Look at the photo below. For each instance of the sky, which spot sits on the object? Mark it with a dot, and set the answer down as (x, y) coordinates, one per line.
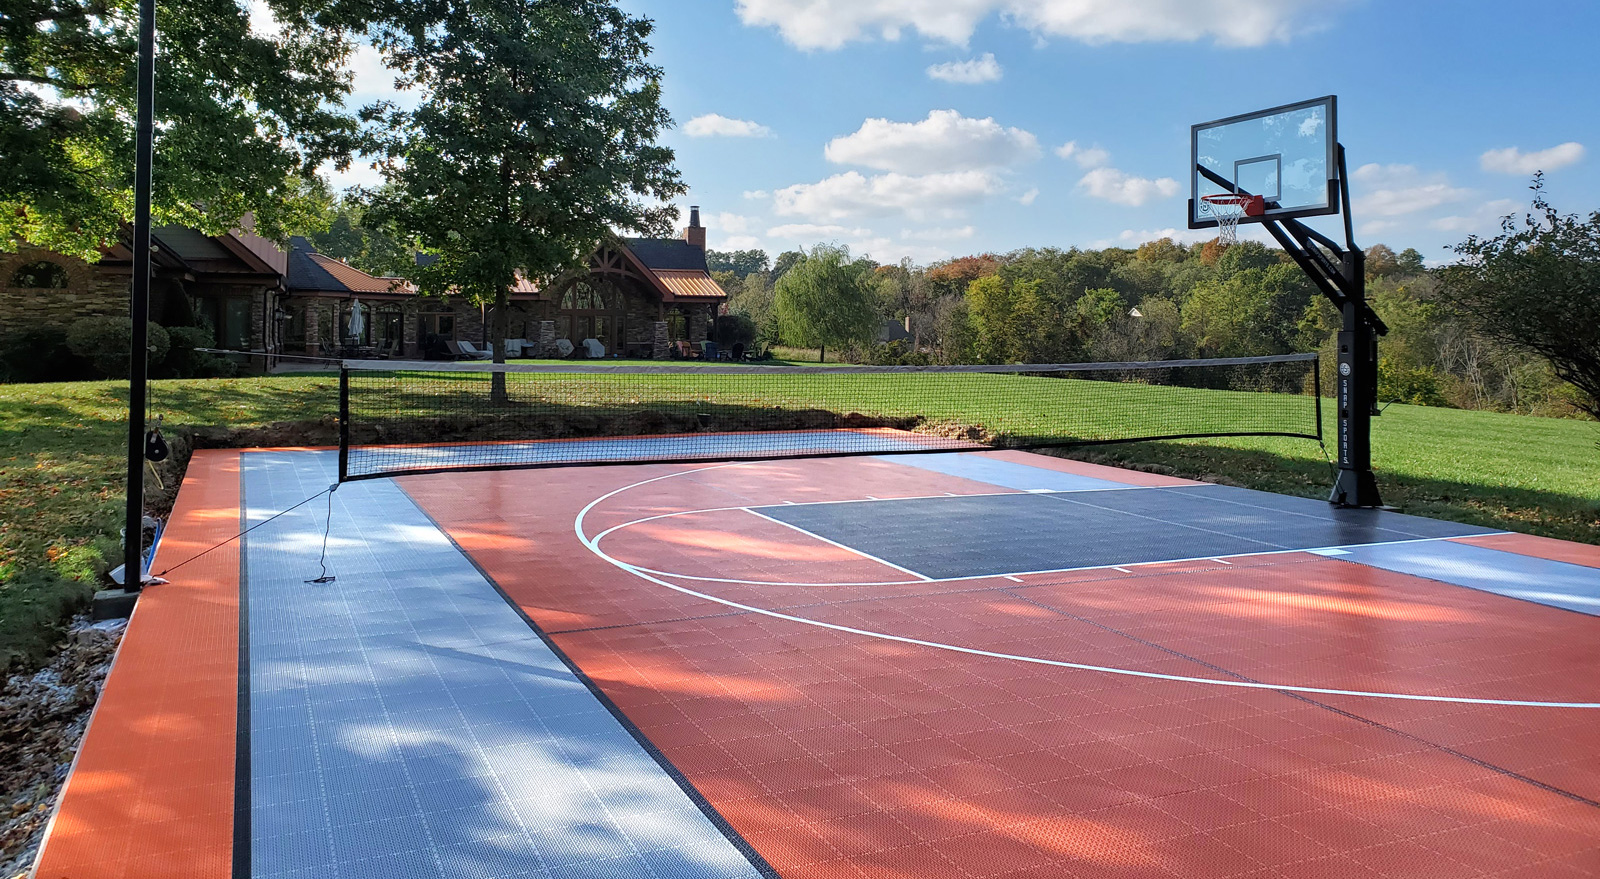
(929, 129)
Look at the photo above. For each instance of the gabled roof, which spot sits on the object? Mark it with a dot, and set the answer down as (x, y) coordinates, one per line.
(312, 271)
(671, 254)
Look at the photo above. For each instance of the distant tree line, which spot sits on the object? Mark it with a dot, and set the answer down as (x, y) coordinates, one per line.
(1474, 335)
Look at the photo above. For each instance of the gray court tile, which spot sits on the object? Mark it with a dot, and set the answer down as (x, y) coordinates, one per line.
(1014, 533)
(1542, 581)
(407, 722)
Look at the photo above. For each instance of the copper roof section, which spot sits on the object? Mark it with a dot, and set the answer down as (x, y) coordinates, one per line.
(690, 284)
(357, 281)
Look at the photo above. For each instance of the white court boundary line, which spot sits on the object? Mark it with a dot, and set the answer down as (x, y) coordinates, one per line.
(593, 546)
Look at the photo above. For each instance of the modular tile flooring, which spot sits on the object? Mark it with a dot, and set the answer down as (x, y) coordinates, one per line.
(405, 721)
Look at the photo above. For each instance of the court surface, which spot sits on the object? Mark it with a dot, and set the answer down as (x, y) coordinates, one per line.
(978, 664)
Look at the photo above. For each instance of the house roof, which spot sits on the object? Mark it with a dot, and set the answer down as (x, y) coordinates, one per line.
(690, 284)
(312, 271)
(671, 254)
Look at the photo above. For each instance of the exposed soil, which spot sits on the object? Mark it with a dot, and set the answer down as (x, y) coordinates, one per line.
(43, 716)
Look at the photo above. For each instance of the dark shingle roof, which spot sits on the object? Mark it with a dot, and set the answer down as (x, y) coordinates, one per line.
(667, 253)
(304, 273)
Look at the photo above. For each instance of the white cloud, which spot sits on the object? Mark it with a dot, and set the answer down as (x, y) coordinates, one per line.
(816, 232)
(733, 224)
(1397, 190)
(850, 195)
(937, 234)
(716, 125)
(984, 69)
(945, 141)
(829, 24)
(1027, 197)
(739, 242)
(1484, 218)
(756, 194)
(1091, 157)
(1514, 161)
(1125, 189)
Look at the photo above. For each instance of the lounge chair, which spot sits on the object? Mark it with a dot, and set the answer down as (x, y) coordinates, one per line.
(472, 352)
(517, 347)
(594, 348)
(564, 347)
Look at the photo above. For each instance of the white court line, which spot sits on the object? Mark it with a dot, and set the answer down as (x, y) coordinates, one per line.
(865, 555)
(593, 547)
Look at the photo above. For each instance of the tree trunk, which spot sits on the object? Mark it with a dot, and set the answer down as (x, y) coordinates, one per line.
(822, 353)
(497, 382)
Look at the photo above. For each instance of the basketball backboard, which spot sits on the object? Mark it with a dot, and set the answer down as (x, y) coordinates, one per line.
(1287, 155)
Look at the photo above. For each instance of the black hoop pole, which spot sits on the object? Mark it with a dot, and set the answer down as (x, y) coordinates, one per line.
(139, 300)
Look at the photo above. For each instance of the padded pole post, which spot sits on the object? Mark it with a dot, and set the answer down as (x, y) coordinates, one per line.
(1356, 485)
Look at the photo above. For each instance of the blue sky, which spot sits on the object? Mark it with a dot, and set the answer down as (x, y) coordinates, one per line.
(942, 131)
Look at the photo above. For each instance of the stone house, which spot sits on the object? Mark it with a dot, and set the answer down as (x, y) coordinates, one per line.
(639, 298)
(229, 283)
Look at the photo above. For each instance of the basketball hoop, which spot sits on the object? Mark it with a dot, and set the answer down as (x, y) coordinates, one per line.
(1228, 209)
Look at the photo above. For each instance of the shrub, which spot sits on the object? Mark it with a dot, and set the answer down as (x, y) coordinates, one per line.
(182, 361)
(735, 329)
(104, 342)
(1419, 385)
(40, 354)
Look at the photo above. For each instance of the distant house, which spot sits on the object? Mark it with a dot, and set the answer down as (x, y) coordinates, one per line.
(639, 297)
(226, 282)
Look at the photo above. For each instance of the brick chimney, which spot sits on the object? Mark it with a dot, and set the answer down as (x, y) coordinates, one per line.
(696, 233)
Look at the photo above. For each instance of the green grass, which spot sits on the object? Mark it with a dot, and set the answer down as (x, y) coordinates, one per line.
(61, 452)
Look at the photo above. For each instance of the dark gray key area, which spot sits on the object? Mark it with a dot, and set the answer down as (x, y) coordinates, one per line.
(1047, 531)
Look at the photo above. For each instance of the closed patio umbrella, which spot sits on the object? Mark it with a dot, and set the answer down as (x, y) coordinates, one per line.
(358, 323)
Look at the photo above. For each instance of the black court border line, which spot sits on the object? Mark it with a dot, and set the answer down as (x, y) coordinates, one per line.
(743, 846)
(242, 862)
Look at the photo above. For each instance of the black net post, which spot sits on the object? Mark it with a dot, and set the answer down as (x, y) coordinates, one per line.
(344, 422)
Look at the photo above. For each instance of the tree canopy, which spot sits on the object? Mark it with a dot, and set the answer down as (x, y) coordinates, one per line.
(1536, 286)
(243, 118)
(534, 140)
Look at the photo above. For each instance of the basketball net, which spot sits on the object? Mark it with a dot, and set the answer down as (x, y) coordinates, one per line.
(1227, 210)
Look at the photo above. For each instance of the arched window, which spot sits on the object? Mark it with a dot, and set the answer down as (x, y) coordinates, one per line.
(590, 310)
(40, 275)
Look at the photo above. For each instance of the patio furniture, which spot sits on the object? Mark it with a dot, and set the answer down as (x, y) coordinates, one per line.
(594, 348)
(473, 352)
(564, 347)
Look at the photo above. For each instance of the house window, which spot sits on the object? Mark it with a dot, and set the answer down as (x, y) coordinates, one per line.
(386, 330)
(441, 325)
(228, 319)
(589, 311)
(40, 275)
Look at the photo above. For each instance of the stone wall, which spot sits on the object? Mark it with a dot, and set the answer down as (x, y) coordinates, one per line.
(88, 292)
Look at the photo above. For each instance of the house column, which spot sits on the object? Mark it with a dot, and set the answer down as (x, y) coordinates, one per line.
(697, 325)
(658, 341)
(547, 339)
(313, 330)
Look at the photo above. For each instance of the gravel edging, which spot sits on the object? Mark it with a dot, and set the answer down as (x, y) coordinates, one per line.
(43, 716)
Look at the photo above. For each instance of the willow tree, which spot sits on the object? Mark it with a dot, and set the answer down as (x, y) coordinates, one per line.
(534, 138)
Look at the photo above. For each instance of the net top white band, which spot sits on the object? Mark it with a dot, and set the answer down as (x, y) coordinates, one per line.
(634, 367)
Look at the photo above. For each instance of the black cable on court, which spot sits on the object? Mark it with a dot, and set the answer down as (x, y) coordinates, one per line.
(323, 561)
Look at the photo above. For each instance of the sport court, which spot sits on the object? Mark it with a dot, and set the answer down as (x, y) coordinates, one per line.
(966, 664)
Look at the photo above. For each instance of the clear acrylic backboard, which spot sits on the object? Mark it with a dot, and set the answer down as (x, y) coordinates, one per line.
(1287, 155)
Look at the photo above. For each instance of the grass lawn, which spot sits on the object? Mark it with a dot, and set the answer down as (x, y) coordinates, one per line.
(61, 445)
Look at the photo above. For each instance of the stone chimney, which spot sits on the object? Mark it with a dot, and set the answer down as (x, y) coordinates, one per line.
(696, 233)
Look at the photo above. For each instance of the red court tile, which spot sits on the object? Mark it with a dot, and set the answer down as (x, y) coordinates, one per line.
(151, 794)
(836, 754)
(1540, 547)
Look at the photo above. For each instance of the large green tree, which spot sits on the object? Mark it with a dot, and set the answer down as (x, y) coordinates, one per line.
(535, 138)
(243, 117)
(1536, 286)
(826, 299)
